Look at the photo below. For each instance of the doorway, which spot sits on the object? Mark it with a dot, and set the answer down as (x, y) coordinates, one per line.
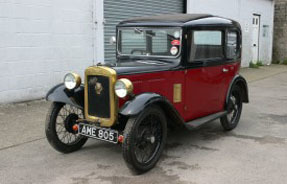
(255, 37)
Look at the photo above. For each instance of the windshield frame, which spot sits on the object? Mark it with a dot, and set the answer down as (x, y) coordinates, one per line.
(149, 56)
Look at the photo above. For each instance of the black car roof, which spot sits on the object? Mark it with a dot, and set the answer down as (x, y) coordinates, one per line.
(181, 20)
(173, 18)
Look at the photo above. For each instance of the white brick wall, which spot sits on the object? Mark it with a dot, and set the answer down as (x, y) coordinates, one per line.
(41, 40)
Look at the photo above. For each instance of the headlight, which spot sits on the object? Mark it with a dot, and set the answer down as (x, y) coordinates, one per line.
(72, 80)
(123, 87)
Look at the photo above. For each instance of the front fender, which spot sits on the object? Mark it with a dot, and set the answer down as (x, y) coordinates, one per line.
(61, 94)
(139, 103)
(142, 101)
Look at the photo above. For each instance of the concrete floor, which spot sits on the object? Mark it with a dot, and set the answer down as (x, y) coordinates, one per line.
(255, 152)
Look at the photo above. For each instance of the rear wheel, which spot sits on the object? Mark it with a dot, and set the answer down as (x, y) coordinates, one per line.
(144, 139)
(234, 108)
(59, 128)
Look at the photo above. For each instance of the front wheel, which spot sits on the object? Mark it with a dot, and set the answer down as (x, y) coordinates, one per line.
(234, 108)
(59, 128)
(144, 139)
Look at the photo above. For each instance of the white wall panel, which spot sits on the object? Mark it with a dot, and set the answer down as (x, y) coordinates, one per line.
(39, 42)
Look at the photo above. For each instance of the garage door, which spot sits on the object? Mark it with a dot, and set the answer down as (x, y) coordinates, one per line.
(118, 10)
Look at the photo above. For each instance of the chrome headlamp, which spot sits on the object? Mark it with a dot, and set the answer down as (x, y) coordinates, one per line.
(123, 87)
(72, 80)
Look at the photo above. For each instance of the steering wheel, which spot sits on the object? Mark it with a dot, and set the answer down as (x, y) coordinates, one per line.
(138, 50)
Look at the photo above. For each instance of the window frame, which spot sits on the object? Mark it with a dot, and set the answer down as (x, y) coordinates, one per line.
(205, 61)
(118, 45)
(239, 46)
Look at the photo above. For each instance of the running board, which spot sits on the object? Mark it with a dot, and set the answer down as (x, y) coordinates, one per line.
(201, 121)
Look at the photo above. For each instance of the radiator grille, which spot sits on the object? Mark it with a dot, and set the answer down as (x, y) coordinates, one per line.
(98, 96)
(101, 104)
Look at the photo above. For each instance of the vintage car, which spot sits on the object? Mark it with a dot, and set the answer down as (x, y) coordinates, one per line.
(170, 70)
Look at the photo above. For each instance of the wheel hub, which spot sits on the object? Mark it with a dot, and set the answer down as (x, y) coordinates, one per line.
(232, 108)
(150, 139)
(231, 104)
(70, 121)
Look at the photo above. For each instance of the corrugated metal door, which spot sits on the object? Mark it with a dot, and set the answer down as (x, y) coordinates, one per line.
(118, 10)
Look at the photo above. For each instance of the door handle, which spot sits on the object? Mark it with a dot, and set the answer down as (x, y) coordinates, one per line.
(225, 70)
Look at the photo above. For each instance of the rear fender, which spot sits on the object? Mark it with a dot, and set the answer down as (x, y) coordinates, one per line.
(61, 94)
(241, 82)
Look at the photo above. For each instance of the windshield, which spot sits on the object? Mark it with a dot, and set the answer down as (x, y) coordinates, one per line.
(156, 42)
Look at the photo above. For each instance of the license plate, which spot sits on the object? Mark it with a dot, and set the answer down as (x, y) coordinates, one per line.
(99, 133)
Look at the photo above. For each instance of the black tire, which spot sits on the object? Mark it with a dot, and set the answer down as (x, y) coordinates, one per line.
(234, 109)
(137, 137)
(53, 135)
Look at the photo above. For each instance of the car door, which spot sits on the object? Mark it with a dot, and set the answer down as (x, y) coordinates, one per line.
(205, 73)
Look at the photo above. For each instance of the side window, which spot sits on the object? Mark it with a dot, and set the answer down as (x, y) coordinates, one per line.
(206, 45)
(232, 48)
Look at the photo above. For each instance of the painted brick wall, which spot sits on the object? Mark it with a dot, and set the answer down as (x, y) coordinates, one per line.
(41, 40)
(280, 31)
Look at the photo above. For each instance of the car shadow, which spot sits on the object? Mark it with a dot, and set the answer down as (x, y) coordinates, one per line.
(176, 139)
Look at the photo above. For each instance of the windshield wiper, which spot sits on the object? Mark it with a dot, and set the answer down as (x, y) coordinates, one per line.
(147, 33)
(163, 60)
(155, 61)
(150, 62)
(137, 30)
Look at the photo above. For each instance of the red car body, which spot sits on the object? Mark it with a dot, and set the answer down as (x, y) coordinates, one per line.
(204, 90)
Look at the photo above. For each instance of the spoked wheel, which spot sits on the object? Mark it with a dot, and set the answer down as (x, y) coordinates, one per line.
(144, 139)
(234, 109)
(59, 128)
(148, 139)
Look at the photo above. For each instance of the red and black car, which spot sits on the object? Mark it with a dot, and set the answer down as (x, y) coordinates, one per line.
(171, 70)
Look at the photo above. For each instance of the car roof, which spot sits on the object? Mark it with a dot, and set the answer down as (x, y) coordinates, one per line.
(172, 18)
(180, 20)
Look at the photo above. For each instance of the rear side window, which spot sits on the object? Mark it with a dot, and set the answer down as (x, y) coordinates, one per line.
(206, 45)
(232, 48)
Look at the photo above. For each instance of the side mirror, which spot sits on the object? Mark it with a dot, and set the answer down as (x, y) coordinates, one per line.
(113, 40)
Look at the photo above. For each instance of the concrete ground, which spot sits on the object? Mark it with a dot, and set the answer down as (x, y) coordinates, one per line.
(255, 152)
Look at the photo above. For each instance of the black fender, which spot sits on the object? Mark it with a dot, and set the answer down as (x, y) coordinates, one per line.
(140, 102)
(241, 82)
(60, 93)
